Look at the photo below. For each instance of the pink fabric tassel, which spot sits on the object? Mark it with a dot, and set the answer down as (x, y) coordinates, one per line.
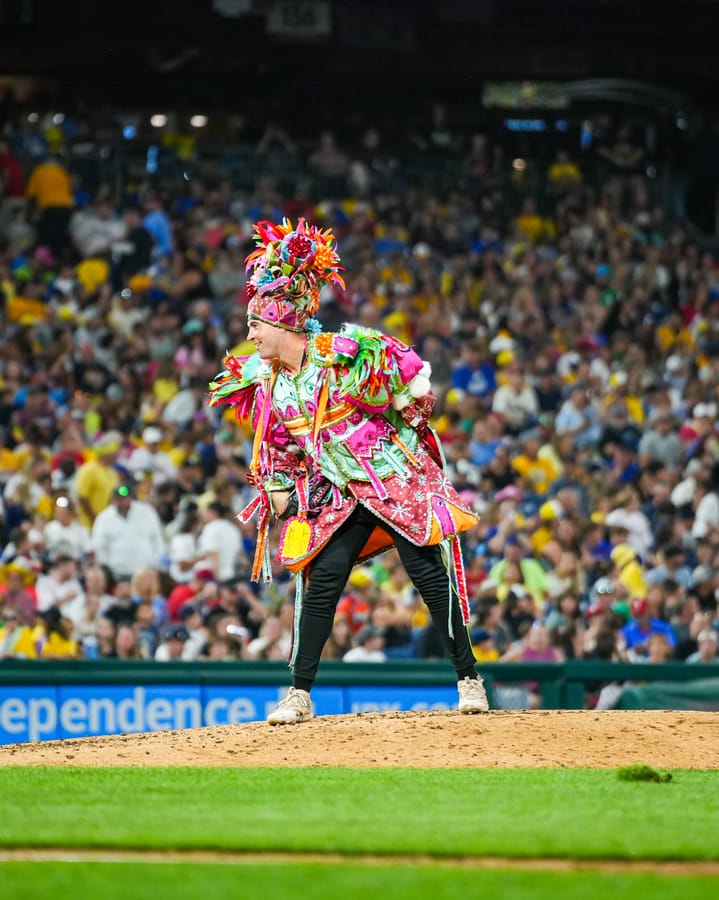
(374, 479)
(460, 579)
(244, 516)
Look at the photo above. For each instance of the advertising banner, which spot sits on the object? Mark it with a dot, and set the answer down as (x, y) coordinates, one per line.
(49, 712)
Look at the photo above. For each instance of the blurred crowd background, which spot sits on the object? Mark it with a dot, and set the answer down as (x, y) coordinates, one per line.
(560, 273)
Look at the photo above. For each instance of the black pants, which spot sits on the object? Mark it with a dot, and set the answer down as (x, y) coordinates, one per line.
(52, 228)
(328, 576)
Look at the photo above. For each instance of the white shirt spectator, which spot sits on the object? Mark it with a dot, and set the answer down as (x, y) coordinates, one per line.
(127, 543)
(516, 401)
(180, 409)
(94, 231)
(183, 549)
(707, 515)
(158, 463)
(362, 654)
(61, 588)
(219, 543)
(70, 540)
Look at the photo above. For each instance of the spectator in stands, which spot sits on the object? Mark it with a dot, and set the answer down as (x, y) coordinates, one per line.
(15, 637)
(145, 587)
(578, 418)
(127, 643)
(62, 589)
(219, 544)
(18, 576)
(173, 644)
(105, 634)
(671, 567)
(535, 646)
(54, 636)
(97, 478)
(706, 654)
(157, 223)
(201, 590)
(127, 536)
(516, 402)
(149, 460)
(339, 641)
(49, 189)
(356, 602)
(637, 632)
(369, 646)
(64, 535)
(660, 442)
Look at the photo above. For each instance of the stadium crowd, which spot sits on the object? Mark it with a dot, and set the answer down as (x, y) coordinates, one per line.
(573, 334)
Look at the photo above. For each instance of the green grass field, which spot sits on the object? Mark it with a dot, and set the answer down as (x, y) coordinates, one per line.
(369, 816)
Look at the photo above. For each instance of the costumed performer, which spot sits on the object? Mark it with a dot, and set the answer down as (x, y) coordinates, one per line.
(344, 455)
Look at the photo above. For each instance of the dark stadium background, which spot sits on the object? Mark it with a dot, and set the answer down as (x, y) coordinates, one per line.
(218, 51)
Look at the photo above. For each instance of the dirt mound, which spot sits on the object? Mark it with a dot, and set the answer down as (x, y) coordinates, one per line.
(665, 739)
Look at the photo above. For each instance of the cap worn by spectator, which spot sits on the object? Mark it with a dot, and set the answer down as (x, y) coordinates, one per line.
(367, 633)
(618, 519)
(177, 633)
(675, 363)
(705, 410)
(603, 586)
(708, 635)
(17, 567)
(360, 578)
(152, 435)
(108, 443)
(702, 574)
(480, 635)
(510, 492)
(639, 606)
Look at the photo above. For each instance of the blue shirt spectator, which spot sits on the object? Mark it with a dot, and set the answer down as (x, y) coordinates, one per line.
(637, 632)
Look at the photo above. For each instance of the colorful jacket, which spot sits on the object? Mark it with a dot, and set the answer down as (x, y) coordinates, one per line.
(357, 414)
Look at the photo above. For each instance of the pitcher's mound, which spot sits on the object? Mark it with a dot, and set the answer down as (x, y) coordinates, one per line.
(671, 740)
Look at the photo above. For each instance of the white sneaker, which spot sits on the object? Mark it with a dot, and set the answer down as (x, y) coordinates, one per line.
(472, 696)
(293, 708)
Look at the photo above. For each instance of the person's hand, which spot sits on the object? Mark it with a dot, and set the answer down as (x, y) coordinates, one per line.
(284, 504)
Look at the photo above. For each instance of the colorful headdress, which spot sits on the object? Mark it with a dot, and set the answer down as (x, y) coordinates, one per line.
(289, 269)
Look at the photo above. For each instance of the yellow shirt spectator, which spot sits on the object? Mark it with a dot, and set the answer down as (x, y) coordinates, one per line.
(537, 466)
(50, 186)
(16, 643)
(94, 484)
(59, 647)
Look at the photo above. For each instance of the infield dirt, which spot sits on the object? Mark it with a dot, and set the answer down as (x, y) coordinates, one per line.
(664, 739)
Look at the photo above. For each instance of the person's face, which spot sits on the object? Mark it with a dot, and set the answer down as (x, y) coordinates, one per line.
(67, 570)
(125, 641)
(123, 504)
(174, 646)
(104, 629)
(14, 582)
(268, 339)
